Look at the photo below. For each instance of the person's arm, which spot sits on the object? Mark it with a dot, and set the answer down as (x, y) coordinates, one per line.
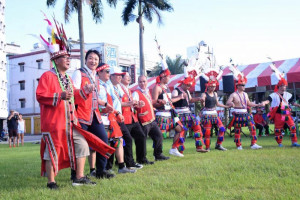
(193, 99)
(293, 102)
(24, 126)
(46, 94)
(219, 104)
(230, 101)
(155, 93)
(76, 78)
(251, 104)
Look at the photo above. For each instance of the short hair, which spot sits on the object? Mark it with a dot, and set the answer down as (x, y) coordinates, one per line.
(92, 51)
(141, 77)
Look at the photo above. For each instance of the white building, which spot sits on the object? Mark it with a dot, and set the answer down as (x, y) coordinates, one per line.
(26, 69)
(3, 70)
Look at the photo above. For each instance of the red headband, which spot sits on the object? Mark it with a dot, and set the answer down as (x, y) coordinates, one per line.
(164, 73)
(280, 83)
(102, 67)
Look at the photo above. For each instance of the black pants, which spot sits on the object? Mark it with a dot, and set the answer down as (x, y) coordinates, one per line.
(97, 129)
(154, 132)
(260, 128)
(139, 137)
(128, 157)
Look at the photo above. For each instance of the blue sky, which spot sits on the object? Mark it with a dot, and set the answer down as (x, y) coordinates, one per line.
(247, 31)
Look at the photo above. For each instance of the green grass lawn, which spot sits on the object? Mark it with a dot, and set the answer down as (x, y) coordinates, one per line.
(269, 173)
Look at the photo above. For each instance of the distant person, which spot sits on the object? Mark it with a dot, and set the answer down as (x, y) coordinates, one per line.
(12, 125)
(21, 130)
(260, 122)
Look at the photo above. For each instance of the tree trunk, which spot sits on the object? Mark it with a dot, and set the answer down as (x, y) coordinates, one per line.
(81, 36)
(142, 62)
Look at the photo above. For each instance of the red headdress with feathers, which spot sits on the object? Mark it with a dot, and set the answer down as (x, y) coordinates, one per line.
(212, 77)
(239, 77)
(165, 71)
(189, 77)
(280, 77)
(58, 44)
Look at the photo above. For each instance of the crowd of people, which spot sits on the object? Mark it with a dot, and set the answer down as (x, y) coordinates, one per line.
(94, 114)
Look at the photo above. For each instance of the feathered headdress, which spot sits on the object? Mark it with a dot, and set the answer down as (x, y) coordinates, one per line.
(165, 71)
(212, 77)
(57, 45)
(239, 77)
(189, 77)
(279, 76)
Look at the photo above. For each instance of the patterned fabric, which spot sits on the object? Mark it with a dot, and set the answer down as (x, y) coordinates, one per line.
(165, 123)
(240, 120)
(279, 124)
(208, 121)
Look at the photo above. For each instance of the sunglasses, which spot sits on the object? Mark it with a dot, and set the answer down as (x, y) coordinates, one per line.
(107, 71)
(241, 85)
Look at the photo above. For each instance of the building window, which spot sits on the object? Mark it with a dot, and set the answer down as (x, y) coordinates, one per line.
(39, 62)
(22, 102)
(22, 85)
(21, 67)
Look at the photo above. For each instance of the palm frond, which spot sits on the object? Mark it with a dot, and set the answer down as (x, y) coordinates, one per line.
(51, 3)
(97, 10)
(127, 12)
(112, 3)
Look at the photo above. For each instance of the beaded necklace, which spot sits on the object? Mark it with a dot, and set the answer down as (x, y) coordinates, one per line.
(64, 85)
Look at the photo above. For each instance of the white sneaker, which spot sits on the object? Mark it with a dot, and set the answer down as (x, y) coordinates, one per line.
(240, 148)
(175, 152)
(256, 146)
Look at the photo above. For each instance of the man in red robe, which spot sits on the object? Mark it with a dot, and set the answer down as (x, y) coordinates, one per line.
(64, 144)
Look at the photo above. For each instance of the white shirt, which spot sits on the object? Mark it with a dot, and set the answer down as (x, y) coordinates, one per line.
(113, 91)
(76, 77)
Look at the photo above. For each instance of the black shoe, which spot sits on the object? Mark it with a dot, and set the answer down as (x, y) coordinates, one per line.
(135, 166)
(83, 181)
(161, 157)
(146, 162)
(105, 174)
(52, 186)
(73, 175)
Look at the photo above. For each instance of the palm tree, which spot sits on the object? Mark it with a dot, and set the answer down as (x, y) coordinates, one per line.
(175, 66)
(76, 5)
(146, 8)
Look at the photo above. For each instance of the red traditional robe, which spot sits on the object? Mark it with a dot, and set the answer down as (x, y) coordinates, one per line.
(58, 118)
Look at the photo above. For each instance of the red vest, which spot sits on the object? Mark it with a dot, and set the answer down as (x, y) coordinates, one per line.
(87, 108)
(129, 116)
(146, 113)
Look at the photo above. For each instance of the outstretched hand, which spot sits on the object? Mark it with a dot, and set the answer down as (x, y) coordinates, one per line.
(66, 95)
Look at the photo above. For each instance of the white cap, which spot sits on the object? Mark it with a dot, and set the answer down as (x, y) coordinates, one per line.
(116, 70)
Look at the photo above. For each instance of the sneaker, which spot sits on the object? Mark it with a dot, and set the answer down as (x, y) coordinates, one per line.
(161, 157)
(295, 144)
(240, 148)
(105, 174)
(83, 181)
(52, 186)
(256, 146)
(93, 173)
(219, 147)
(126, 170)
(175, 152)
(136, 166)
(202, 150)
(208, 149)
(280, 145)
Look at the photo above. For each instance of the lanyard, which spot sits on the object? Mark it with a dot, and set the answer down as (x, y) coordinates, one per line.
(169, 99)
(244, 105)
(146, 94)
(126, 91)
(282, 98)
